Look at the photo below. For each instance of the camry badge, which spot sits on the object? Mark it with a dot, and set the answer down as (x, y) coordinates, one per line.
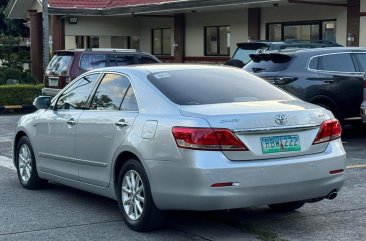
(281, 119)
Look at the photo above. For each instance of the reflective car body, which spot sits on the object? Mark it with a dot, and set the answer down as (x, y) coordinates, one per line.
(86, 147)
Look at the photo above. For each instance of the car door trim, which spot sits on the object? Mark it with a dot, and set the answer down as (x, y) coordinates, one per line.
(74, 160)
(276, 129)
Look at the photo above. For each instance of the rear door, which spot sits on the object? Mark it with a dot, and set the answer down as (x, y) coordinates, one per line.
(342, 81)
(103, 128)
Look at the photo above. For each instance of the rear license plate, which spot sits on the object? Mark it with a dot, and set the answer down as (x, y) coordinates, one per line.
(275, 144)
(53, 81)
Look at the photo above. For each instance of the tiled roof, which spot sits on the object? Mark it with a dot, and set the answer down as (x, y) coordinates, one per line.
(99, 4)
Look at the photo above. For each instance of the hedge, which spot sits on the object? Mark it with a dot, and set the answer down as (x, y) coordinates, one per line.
(19, 94)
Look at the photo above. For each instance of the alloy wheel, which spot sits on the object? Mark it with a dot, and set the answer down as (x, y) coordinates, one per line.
(133, 196)
(25, 163)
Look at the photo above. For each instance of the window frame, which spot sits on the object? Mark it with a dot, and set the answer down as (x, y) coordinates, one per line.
(218, 41)
(161, 31)
(295, 23)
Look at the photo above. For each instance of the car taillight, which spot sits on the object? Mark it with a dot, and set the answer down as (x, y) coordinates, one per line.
(207, 139)
(329, 130)
(280, 80)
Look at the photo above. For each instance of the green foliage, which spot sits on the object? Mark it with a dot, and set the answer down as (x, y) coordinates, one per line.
(20, 76)
(13, 27)
(11, 54)
(19, 94)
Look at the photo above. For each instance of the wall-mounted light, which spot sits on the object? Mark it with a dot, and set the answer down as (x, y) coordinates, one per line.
(175, 45)
(350, 39)
(73, 20)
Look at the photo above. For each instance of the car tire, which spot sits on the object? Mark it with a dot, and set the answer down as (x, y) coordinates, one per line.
(135, 200)
(286, 207)
(26, 166)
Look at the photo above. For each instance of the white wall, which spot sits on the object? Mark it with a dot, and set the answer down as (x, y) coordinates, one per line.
(195, 23)
(363, 25)
(304, 13)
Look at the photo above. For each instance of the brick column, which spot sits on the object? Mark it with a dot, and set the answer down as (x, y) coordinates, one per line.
(57, 32)
(179, 38)
(36, 48)
(353, 21)
(254, 23)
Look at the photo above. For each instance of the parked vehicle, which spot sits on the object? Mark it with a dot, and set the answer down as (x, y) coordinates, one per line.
(181, 137)
(329, 77)
(244, 50)
(363, 105)
(66, 65)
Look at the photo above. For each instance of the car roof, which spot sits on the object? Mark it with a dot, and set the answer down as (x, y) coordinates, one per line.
(102, 50)
(155, 68)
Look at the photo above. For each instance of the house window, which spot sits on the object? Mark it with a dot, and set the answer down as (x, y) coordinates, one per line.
(308, 30)
(217, 41)
(79, 42)
(161, 41)
(92, 42)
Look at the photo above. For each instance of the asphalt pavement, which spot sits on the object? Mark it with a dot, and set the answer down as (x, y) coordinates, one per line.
(62, 213)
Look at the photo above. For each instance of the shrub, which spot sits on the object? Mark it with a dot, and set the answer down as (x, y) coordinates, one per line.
(11, 73)
(19, 94)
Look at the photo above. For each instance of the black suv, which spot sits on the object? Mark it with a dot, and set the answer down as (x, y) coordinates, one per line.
(68, 64)
(243, 50)
(329, 77)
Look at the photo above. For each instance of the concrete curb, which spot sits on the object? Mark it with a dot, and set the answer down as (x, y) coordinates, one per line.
(25, 108)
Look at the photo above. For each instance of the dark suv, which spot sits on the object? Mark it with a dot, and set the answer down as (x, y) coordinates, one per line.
(329, 77)
(68, 64)
(243, 50)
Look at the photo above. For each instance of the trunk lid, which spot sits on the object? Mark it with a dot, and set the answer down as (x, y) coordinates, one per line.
(255, 124)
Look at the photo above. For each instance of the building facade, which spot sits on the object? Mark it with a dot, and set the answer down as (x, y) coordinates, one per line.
(194, 30)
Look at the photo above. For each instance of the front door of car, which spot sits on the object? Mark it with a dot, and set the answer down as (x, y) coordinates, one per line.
(55, 129)
(103, 128)
(342, 81)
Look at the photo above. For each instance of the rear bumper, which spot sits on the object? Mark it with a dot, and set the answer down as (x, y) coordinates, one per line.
(187, 185)
(50, 91)
(363, 111)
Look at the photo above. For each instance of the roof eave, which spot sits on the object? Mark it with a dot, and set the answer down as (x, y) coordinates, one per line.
(152, 8)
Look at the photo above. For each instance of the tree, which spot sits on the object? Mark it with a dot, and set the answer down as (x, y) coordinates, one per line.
(11, 27)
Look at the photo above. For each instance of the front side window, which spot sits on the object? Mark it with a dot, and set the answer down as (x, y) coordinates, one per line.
(217, 41)
(110, 93)
(161, 41)
(93, 61)
(337, 63)
(77, 96)
(362, 61)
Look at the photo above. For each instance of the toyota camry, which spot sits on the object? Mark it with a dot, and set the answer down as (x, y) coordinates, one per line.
(181, 137)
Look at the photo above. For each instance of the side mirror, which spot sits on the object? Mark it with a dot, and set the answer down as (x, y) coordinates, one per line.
(42, 102)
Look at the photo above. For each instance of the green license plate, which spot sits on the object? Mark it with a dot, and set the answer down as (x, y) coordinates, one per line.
(275, 144)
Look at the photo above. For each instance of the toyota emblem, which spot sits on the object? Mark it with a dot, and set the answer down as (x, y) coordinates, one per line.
(281, 119)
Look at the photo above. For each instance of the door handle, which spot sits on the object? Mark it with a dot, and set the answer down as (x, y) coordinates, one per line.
(121, 123)
(328, 81)
(71, 122)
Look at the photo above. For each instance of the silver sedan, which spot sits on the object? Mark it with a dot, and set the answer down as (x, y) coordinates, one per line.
(181, 137)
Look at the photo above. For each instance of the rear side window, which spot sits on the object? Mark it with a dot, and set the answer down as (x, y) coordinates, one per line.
(60, 63)
(147, 60)
(212, 86)
(120, 60)
(337, 62)
(93, 61)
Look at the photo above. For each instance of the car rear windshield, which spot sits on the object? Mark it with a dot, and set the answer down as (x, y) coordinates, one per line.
(213, 86)
(268, 63)
(60, 63)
